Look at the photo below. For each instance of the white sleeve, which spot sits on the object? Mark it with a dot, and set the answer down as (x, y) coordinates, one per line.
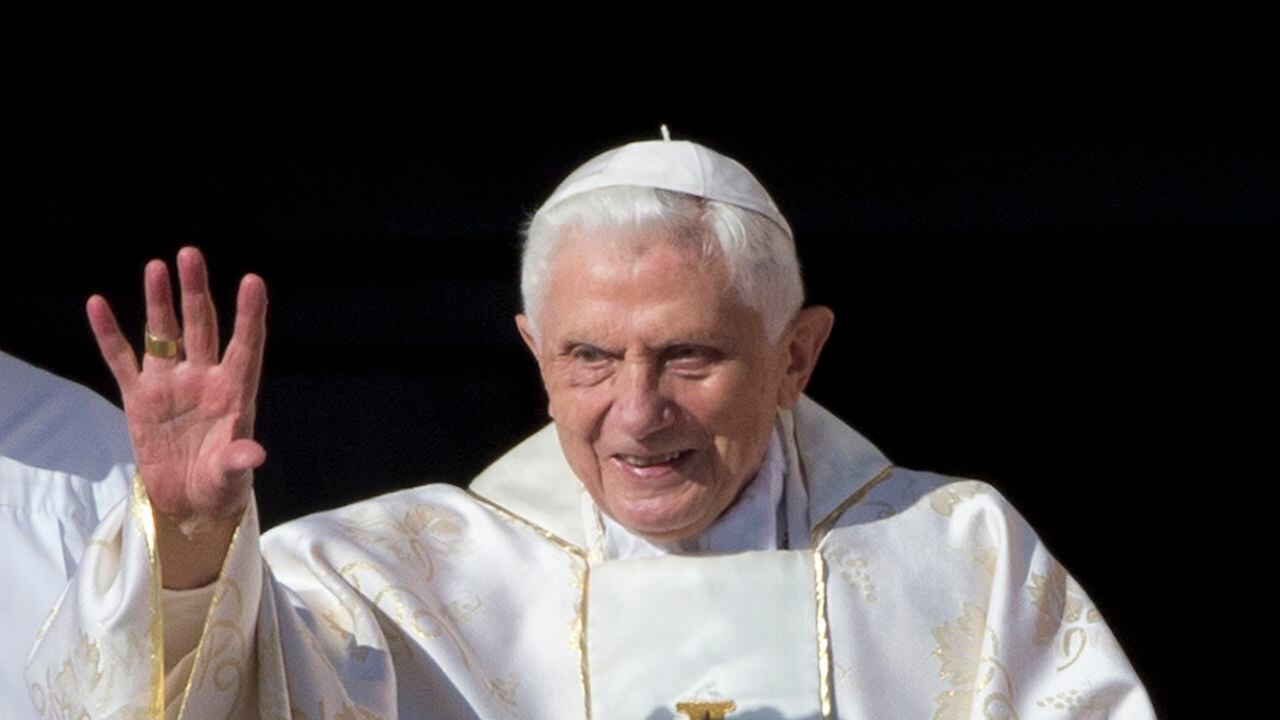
(1045, 649)
(119, 646)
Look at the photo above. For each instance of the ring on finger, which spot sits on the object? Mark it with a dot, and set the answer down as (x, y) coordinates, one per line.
(156, 346)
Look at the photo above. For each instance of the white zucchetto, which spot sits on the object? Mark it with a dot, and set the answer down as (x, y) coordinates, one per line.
(677, 165)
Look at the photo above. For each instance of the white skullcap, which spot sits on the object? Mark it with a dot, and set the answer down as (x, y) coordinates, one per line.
(678, 165)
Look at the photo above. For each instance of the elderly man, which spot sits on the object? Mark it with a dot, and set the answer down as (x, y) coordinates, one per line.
(690, 537)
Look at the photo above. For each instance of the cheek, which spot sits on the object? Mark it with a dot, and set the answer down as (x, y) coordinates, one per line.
(741, 415)
(577, 413)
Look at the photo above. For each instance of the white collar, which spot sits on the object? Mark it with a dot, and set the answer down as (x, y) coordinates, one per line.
(826, 457)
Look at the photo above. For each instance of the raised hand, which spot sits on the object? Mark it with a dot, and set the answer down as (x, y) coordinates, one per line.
(190, 415)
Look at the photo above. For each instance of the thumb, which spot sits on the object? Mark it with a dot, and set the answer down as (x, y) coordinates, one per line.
(242, 455)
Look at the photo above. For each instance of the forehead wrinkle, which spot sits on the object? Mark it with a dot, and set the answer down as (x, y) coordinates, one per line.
(622, 289)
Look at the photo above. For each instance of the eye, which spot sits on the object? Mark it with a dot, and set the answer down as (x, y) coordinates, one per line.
(587, 354)
(691, 356)
(586, 365)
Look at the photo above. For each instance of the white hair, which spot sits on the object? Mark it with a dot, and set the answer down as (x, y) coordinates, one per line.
(761, 256)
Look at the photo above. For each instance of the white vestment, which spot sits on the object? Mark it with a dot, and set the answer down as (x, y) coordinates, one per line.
(907, 595)
(65, 459)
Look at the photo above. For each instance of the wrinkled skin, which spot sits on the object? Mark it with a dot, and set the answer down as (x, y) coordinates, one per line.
(662, 384)
(191, 417)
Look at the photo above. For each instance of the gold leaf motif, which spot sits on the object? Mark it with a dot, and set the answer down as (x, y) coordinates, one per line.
(504, 690)
(968, 650)
(960, 645)
(1063, 609)
(1049, 595)
(463, 608)
(410, 537)
(986, 558)
(944, 499)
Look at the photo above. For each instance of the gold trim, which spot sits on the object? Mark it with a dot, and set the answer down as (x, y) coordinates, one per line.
(819, 532)
(824, 639)
(563, 544)
(213, 604)
(584, 669)
(146, 524)
(816, 536)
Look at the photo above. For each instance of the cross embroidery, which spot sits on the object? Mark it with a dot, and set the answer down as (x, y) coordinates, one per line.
(706, 710)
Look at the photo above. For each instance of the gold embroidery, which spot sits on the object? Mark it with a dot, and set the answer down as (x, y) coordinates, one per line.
(560, 542)
(853, 569)
(944, 499)
(84, 686)
(404, 537)
(1081, 706)
(226, 588)
(1059, 601)
(824, 639)
(986, 558)
(146, 524)
(425, 622)
(970, 671)
(715, 710)
(886, 510)
(820, 530)
(504, 690)
(462, 609)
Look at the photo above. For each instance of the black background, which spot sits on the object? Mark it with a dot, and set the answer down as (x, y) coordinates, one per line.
(1074, 310)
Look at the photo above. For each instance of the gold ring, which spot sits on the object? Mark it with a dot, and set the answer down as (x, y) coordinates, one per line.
(161, 348)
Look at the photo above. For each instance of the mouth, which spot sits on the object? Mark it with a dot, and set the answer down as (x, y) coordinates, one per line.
(651, 466)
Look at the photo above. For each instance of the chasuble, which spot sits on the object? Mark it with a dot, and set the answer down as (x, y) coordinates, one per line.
(895, 594)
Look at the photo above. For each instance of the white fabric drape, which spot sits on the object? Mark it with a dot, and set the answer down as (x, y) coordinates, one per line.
(65, 459)
(913, 595)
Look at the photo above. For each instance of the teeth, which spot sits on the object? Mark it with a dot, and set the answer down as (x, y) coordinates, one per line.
(646, 461)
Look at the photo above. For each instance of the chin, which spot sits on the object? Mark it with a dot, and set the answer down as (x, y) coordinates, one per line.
(661, 527)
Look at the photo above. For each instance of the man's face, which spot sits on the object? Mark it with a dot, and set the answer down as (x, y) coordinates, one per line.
(662, 385)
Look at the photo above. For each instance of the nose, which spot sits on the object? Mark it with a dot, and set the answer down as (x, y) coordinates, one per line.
(640, 406)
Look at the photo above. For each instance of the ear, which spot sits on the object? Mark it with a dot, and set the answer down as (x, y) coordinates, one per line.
(526, 332)
(803, 343)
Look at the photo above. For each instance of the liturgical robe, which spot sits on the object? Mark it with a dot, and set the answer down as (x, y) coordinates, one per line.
(905, 594)
(65, 460)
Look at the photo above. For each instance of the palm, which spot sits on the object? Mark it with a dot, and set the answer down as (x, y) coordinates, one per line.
(191, 419)
(180, 424)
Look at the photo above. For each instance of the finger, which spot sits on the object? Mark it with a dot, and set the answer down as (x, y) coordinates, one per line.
(244, 353)
(241, 455)
(235, 464)
(162, 321)
(111, 342)
(199, 318)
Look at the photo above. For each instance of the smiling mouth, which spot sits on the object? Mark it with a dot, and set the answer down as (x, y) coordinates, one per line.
(648, 461)
(652, 465)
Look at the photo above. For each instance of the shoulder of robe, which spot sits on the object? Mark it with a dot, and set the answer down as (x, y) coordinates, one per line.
(429, 520)
(967, 511)
(66, 449)
(45, 418)
(854, 488)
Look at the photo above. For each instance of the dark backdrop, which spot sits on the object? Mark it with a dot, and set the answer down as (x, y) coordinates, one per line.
(1075, 317)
